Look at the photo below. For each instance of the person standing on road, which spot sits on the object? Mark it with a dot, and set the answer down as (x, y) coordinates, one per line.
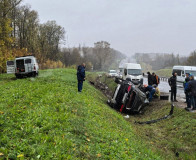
(81, 76)
(192, 89)
(185, 84)
(150, 79)
(156, 79)
(172, 83)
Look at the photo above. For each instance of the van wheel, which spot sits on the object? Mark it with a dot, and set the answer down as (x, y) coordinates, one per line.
(34, 74)
(18, 76)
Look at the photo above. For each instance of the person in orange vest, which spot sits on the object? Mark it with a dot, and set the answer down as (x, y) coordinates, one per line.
(156, 79)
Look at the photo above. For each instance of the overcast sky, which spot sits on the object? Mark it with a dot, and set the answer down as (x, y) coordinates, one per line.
(130, 26)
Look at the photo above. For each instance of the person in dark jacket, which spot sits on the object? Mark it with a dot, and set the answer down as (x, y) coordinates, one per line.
(192, 89)
(150, 79)
(81, 76)
(156, 79)
(151, 91)
(185, 84)
(172, 83)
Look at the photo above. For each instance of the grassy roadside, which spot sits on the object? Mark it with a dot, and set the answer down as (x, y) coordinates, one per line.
(164, 72)
(93, 76)
(45, 118)
(173, 138)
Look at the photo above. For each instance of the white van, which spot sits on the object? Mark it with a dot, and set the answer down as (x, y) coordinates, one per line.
(133, 72)
(23, 66)
(181, 71)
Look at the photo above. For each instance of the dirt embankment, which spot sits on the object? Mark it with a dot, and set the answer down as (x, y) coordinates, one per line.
(100, 83)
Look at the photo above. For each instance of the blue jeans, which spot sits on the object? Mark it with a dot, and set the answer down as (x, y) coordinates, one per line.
(193, 101)
(80, 84)
(151, 94)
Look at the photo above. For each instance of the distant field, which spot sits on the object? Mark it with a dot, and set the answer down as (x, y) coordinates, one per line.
(45, 118)
(164, 72)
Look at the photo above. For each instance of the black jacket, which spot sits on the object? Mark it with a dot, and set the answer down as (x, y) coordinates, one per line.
(156, 79)
(81, 73)
(150, 79)
(172, 81)
(192, 87)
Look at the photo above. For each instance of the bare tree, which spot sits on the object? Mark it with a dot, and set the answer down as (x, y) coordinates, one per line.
(102, 51)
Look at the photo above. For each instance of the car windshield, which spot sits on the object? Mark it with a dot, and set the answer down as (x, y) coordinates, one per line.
(191, 72)
(134, 71)
(112, 71)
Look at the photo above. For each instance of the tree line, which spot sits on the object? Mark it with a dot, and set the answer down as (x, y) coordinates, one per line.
(100, 57)
(160, 61)
(22, 34)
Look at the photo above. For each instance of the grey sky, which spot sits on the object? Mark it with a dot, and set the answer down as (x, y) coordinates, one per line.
(164, 26)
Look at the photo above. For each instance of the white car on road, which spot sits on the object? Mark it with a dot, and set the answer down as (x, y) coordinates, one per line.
(112, 73)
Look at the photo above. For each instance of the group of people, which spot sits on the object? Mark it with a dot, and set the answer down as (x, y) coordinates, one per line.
(189, 89)
(151, 90)
(153, 79)
(153, 82)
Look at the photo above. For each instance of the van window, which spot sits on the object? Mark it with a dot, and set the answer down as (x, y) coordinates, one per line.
(112, 71)
(9, 63)
(191, 72)
(182, 72)
(27, 61)
(177, 71)
(20, 63)
(134, 72)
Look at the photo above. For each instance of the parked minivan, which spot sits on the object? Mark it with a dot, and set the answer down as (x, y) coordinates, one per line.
(181, 71)
(23, 66)
(133, 72)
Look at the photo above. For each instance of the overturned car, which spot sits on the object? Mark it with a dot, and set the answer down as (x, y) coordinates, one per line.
(128, 98)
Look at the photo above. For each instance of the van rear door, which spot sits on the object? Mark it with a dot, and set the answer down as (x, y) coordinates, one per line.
(20, 65)
(10, 67)
(28, 66)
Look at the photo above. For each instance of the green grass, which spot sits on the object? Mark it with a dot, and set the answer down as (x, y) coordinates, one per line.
(168, 137)
(109, 81)
(45, 118)
(164, 72)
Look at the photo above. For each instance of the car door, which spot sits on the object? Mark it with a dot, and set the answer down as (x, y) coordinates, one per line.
(10, 67)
